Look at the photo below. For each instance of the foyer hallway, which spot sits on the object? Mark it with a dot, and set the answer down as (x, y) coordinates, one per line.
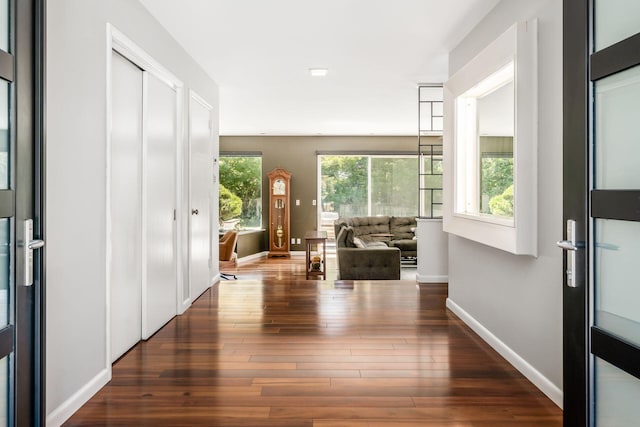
(273, 349)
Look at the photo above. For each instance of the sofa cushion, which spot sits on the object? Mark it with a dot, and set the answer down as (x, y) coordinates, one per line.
(401, 227)
(368, 264)
(359, 243)
(405, 245)
(364, 226)
(376, 245)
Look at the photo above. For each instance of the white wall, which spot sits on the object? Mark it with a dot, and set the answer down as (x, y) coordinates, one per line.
(76, 178)
(516, 301)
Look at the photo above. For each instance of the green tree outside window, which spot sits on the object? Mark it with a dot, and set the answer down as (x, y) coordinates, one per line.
(242, 177)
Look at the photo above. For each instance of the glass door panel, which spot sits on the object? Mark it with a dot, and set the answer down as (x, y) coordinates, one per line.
(5, 295)
(5, 26)
(5, 271)
(4, 99)
(616, 121)
(5, 392)
(615, 325)
(615, 20)
(616, 396)
(4, 135)
(617, 247)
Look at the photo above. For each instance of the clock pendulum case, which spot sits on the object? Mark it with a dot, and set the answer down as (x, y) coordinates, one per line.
(279, 213)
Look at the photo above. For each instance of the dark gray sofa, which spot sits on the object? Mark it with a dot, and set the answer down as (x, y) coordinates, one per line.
(375, 262)
(384, 241)
(399, 231)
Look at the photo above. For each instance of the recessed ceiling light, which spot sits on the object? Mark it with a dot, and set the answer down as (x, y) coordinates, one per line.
(318, 72)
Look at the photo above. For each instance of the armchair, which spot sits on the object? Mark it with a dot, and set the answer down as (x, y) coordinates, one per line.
(228, 257)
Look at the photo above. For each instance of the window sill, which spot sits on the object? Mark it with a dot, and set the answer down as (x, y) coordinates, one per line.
(492, 219)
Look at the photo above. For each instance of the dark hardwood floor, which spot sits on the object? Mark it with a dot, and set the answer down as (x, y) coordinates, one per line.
(273, 349)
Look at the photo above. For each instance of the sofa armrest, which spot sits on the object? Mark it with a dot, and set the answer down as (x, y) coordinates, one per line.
(369, 264)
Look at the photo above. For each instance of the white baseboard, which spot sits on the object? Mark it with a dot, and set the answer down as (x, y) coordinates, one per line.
(431, 279)
(265, 254)
(532, 374)
(252, 257)
(63, 412)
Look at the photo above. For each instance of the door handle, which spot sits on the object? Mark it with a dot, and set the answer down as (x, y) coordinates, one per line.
(567, 245)
(35, 244)
(571, 247)
(194, 211)
(29, 247)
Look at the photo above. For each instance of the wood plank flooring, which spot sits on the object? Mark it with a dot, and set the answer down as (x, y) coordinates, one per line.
(276, 350)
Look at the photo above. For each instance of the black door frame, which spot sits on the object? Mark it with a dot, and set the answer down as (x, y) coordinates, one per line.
(582, 340)
(576, 89)
(29, 45)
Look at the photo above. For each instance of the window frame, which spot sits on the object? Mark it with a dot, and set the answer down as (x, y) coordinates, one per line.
(517, 235)
(247, 154)
(369, 156)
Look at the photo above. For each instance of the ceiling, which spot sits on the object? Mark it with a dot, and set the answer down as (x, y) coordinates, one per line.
(259, 53)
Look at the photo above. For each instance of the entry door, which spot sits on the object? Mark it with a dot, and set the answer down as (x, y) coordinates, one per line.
(21, 277)
(200, 180)
(602, 174)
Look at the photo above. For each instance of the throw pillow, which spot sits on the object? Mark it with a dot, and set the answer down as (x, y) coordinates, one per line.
(341, 238)
(350, 237)
(359, 243)
(344, 239)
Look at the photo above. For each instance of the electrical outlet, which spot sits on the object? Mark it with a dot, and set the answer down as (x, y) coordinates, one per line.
(293, 240)
(298, 241)
(297, 202)
(313, 202)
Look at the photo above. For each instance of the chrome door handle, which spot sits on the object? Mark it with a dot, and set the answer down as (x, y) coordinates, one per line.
(567, 245)
(194, 211)
(29, 246)
(571, 247)
(35, 244)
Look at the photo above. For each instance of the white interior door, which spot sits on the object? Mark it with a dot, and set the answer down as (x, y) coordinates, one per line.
(126, 206)
(200, 183)
(160, 281)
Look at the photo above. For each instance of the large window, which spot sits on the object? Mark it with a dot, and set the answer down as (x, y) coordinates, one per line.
(240, 191)
(365, 185)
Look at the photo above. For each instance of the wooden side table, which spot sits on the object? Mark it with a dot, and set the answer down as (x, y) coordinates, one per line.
(316, 238)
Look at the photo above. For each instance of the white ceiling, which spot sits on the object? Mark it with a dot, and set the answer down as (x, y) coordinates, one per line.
(259, 53)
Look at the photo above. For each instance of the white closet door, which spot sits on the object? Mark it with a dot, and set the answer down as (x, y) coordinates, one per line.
(126, 205)
(159, 287)
(200, 183)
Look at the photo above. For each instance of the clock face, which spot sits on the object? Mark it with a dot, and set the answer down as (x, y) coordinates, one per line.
(279, 187)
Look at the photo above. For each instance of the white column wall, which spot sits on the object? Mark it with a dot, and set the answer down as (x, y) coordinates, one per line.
(515, 302)
(77, 362)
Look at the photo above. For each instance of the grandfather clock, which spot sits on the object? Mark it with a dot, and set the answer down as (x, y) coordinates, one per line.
(279, 227)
